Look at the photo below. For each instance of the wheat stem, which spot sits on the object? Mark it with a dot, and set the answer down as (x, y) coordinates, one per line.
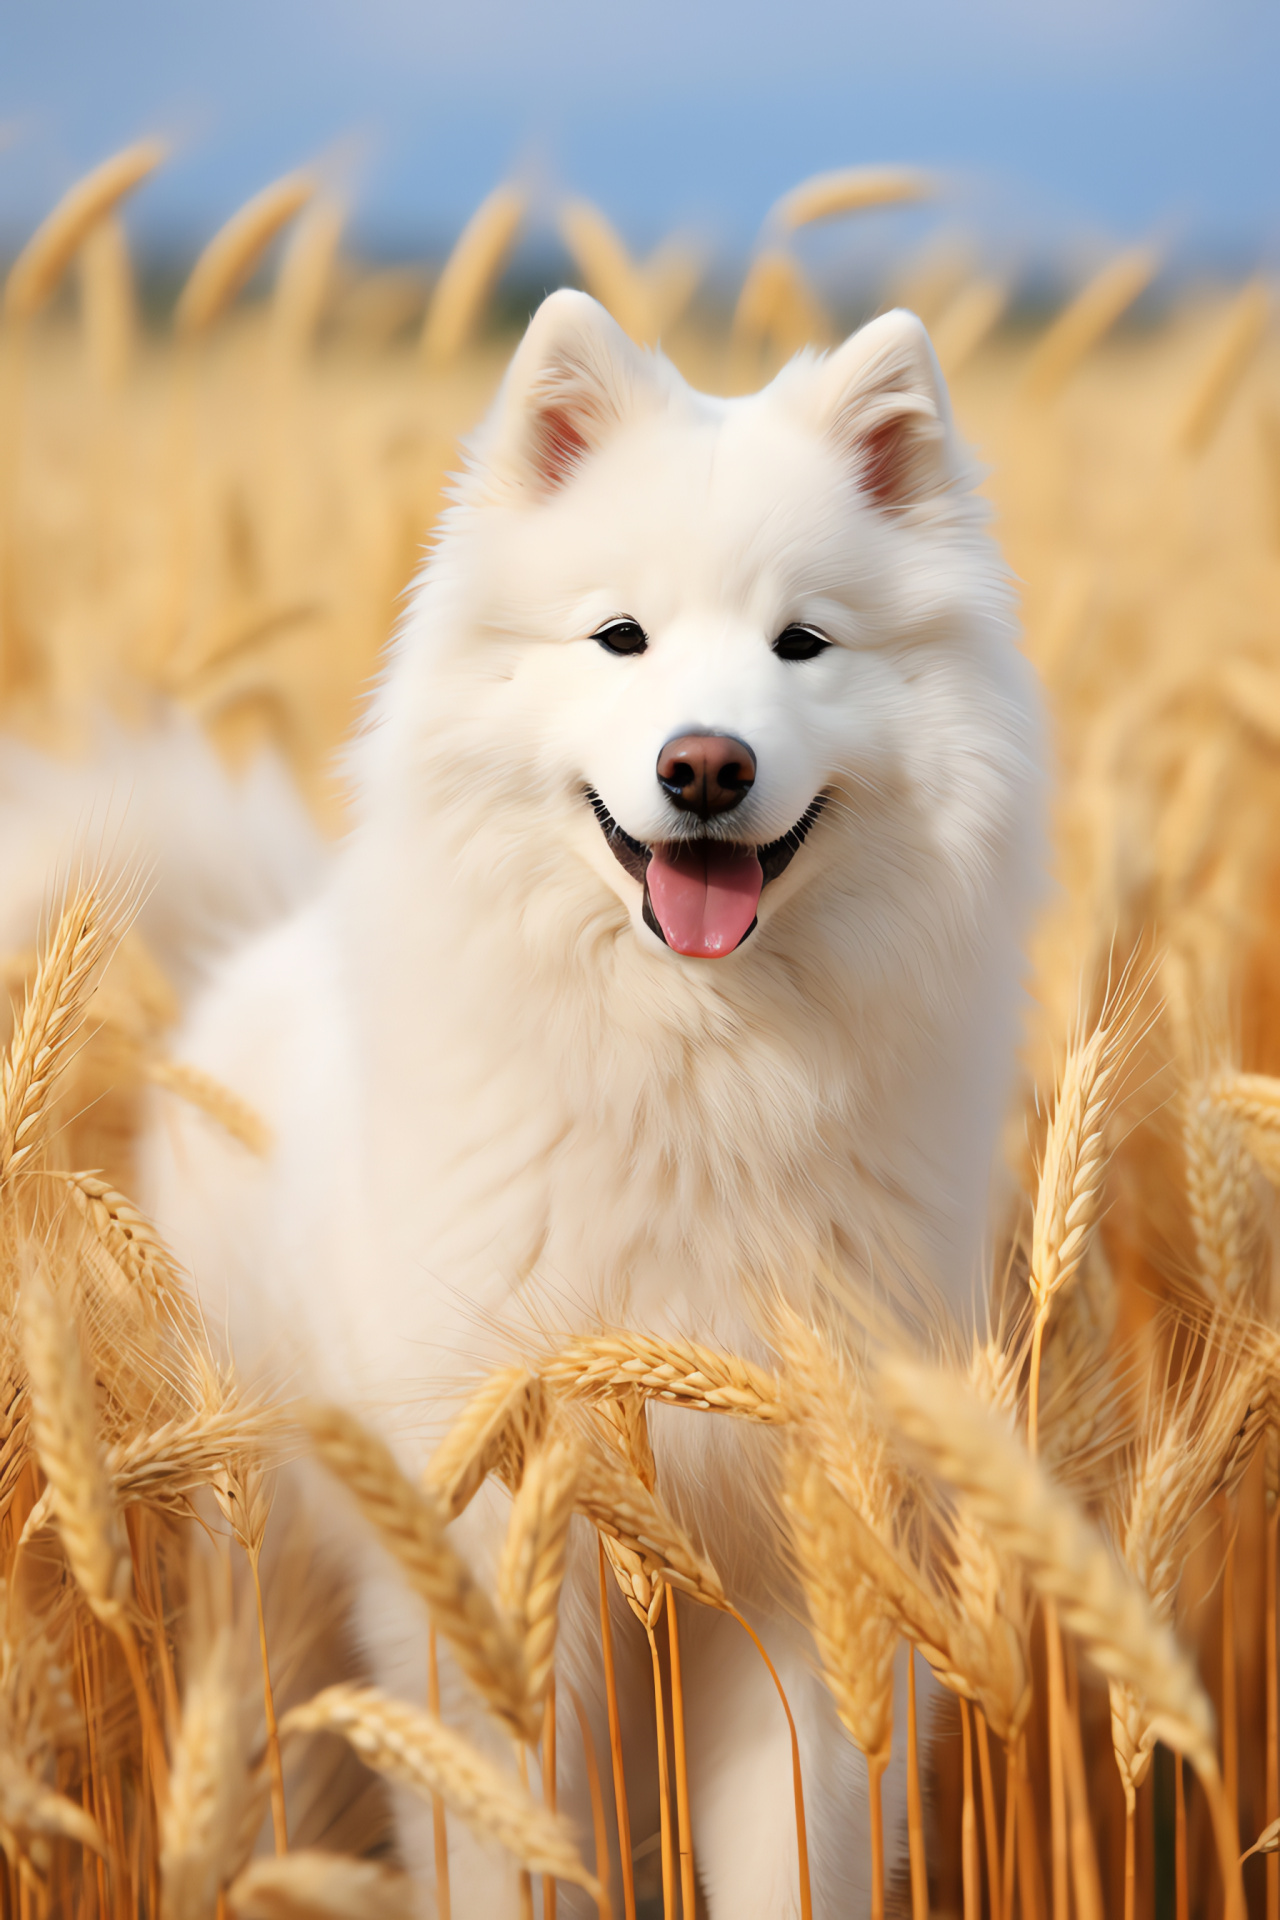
(549, 1786)
(915, 1808)
(684, 1820)
(1230, 1698)
(797, 1782)
(1271, 1551)
(1181, 1886)
(599, 1830)
(969, 1870)
(615, 1741)
(439, 1825)
(279, 1823)
(989, 1823)
(664, 1784)
(1009, 1865)
(875, 1816)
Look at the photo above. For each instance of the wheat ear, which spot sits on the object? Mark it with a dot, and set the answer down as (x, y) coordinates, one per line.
(412, 1528)
(1219, 1196)
(470, 273)
(644, 1542)
(214, 1807)
(164, 1467)
(37, 270)
(480, 1439)
(234, 252)
(855, 1631)
(410, 1746)
(49, 1020)
(28, 1806)
(533, 1562)
(1084, 321)
(1069, 1192)
(1064, 1555)
(305, 276)
(106, 302)
(1242, 334)
(847, 190)
(776, 304)
(311, 1885)
(131, 1242)
(68, 1449)
(681, 1372)
(608, 269)
(200, 1089)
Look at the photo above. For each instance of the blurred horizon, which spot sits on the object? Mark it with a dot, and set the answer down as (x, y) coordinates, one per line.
(1055, 133)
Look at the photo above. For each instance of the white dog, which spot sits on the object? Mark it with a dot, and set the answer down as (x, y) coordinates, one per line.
(675, 948)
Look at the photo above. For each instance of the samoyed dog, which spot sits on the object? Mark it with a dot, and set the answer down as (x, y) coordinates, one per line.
(673, 956)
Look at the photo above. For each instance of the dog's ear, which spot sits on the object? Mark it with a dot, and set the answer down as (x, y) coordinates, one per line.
(884, 402)
(575, 377)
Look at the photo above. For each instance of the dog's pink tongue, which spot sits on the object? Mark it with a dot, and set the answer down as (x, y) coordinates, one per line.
(704, 896)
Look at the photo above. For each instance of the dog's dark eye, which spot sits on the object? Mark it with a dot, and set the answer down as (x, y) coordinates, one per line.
(799, 643)
(622, 636)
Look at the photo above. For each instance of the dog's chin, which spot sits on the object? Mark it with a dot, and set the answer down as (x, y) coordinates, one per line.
(701, 895)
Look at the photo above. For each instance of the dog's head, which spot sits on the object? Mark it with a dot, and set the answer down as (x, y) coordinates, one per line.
(733, 650)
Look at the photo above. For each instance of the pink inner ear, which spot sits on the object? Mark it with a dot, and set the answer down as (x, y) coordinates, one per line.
(558, 446)
(885, 457)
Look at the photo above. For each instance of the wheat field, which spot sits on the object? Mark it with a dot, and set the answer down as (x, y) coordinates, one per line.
(1071, 1518)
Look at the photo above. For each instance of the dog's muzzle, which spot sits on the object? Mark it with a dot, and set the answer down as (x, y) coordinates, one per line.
(700, 895)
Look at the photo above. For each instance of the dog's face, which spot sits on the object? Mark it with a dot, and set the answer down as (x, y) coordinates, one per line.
(730, 645)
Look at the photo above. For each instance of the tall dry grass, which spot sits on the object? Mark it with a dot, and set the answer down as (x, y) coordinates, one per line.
(1072, 1517)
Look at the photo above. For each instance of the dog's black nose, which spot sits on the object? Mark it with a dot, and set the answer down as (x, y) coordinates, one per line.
(706, 773)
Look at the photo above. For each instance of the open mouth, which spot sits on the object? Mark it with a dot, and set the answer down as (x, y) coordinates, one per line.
(701, 896)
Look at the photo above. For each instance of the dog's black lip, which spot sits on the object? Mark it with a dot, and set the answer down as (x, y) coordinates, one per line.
(634, 856)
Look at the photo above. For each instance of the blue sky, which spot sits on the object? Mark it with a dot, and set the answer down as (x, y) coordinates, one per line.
(1057, 125)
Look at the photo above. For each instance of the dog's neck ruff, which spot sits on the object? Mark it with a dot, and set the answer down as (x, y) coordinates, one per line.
(701, 895)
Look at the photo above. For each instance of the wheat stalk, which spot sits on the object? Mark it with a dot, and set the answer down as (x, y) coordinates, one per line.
(608, 269)
(28, 1806)
(1075, 1156)
(165, 1466)
(412, 1528)
(855, 1630)
(470, 273)
(678, 1371)
(131, 1242)
(776, 306)
(310, 1885)
(106, 301)
(200, 1089)
(234, 251)
(67, 1447)
(214, 1807)
(305, 277)
(1242, 334)
(50, 1017)
(533, 1563)
(1084, 321)
(410, 1746)
(1064, 1555)
(967, 321)
(37, 270)
(846, 1437)
(507, 1406)
(645, 1544)
(1219, 1196)
(847, 190)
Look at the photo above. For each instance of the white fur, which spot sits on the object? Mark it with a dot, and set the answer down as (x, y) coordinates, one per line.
(498, 1100)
